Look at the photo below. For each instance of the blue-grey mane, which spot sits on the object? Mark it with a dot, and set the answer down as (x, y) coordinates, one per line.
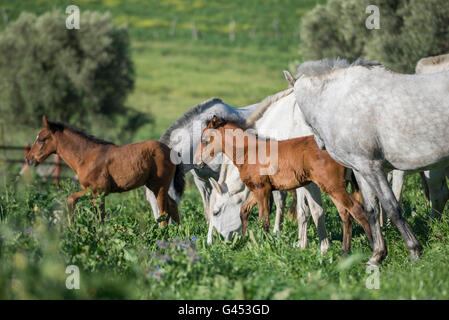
(187, 117)
(326, 66)
(203, 112)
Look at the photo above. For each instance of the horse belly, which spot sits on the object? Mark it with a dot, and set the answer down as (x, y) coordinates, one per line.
(130, 175)
(286, 180)
(416, 149)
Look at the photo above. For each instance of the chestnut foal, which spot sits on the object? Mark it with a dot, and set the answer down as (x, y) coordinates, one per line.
(105, 167)
(300, 162)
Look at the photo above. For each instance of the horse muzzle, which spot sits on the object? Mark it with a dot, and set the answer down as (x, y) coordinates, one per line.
(32, 163)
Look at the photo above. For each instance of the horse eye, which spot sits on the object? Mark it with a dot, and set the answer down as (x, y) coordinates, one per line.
(42, 140)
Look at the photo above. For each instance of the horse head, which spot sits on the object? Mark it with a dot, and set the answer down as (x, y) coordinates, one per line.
(44, 146)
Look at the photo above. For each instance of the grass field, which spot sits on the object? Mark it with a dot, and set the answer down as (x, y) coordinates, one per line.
(128, 256)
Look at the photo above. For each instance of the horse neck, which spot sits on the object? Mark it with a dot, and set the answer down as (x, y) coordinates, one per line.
(73, 148)
(191, 130)
(231, 150)
(283, 120)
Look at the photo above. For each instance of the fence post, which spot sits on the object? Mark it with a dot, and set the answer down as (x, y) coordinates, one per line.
(252, 32)
(276, 28)
(173, 27)
(232, 30)
(194, 32)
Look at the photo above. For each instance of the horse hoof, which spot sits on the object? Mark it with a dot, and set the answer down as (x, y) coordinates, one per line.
(324, 246)
(414, 255)
(300, 245)
(373, 262)
(376, 259)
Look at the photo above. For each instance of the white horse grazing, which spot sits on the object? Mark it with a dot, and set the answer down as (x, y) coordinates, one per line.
(371, 119)
(183, 137)
(434, 181)
(276, 117)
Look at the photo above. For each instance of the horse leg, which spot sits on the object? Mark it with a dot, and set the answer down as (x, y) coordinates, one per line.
(347, 230)
(245, 210)
(396, 177)
(438, 190)
(209, 233)
(72, 200)
(342, 204)
(263, 197)
(162, 199)
(377, 180)
(173, 209)
(151, 198)
(352, 208)
(205, 189)
(398, 183)
(279, 200)
(303, 211)
(372, 209)
(313, 196)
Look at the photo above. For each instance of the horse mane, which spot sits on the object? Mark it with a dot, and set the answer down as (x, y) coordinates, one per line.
(241, 124)
(435, 60)
(264, 105)
(182, 120)
(60, 126)
(326, 66)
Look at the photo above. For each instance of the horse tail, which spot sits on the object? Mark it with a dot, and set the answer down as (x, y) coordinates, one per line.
(179, 182)
(291, 212)
(355, 188)
(424, 185)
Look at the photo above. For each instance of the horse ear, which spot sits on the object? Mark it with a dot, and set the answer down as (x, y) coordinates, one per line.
(45, 121)
(216, 186)
(290, 79)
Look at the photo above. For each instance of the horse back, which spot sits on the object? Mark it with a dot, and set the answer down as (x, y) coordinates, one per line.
(139, 163)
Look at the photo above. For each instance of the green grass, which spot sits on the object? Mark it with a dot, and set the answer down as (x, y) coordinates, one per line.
(153, 19)
(172, 77)
(129, 256)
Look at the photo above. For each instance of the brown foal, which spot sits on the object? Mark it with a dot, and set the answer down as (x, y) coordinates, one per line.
(105, 167)
(300, 162)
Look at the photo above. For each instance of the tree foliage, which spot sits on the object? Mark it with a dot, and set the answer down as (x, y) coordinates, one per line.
(409, 30)
(78, 76)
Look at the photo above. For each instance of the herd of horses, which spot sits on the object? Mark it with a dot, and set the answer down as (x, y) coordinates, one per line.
(337, 124)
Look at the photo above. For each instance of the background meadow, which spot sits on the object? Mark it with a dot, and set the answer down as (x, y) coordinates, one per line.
(177, 66)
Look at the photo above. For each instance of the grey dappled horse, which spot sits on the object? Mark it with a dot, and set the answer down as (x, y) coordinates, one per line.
(371, 119)
(434, 181)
